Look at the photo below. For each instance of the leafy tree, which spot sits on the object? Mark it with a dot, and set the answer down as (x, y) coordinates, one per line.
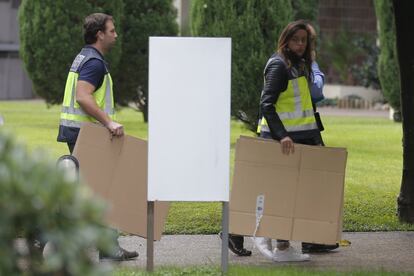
(141, 19)
(388, 70)
(38, 203)
(254, 27)
(403, 19)
(366, 71)
(51, 36)
(305, 9)
(308, 10)
(339, 52)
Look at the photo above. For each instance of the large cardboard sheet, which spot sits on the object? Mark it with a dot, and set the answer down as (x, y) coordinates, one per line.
(303, 192)
(116, 170)
(189, 119)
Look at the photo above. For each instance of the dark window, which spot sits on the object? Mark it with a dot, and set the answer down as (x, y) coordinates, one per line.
(16, 4)
(14, 54)
(6, 54)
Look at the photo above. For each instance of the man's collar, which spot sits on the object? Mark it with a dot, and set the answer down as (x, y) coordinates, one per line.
(96, 50)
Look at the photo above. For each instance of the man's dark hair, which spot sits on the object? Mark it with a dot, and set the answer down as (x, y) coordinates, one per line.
(93, 24)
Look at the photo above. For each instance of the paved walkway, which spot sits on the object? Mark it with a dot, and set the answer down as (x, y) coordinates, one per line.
(389, 251)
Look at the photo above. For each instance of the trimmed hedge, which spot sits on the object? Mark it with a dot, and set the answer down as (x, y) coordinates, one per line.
(51, 36)
(254, 27)
(306, 9)
(388, 70)
(141, 19)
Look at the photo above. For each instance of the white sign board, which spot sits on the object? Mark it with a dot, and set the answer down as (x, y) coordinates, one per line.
(189, 119)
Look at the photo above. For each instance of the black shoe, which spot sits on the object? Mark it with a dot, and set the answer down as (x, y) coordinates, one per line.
(120, 255)
(318, 248)
(236, 245)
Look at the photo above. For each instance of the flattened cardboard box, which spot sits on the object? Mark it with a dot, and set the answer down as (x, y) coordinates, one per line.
(116, 170)
(303, 192)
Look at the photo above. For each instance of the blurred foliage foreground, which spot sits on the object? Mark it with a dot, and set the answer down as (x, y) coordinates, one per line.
(39, 204)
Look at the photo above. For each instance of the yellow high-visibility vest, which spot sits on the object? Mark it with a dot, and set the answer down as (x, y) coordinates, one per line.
(294, 107)
(72, 114)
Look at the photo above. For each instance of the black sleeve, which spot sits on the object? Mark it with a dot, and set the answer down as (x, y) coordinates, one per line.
(276, 81)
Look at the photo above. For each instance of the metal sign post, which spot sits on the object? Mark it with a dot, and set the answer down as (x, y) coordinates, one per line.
(225, 237)
(150, 236)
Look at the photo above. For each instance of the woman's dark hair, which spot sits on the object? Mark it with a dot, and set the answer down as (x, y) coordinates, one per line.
(287, 34)
(93, 24)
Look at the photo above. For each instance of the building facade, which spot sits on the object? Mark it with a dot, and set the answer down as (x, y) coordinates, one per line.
(14, 81)
(355, 16)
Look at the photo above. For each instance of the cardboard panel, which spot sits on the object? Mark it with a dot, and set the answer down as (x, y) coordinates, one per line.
(321, 190)
(269, 223)
(88, 149)
(189, 119)
(303, 192)
(124, 178)
(245, 224)
(265, 152)
(315, 231)
(329, 159)
(341, 216)
(116, 170)
(255, 180)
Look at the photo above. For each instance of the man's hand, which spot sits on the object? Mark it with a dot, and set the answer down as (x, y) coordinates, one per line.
(84, 96)
(115, 129)
(287, 145)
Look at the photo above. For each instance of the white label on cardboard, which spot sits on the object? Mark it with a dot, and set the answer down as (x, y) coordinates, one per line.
(259, 212)
(189, 119)
(259, 207)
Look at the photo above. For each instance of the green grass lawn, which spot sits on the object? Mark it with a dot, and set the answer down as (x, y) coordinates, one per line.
(373, 173)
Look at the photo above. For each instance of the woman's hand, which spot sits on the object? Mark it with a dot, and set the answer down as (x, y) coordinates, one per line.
(287, 145)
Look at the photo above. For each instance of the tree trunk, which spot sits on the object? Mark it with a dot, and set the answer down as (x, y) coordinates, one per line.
(404, 33)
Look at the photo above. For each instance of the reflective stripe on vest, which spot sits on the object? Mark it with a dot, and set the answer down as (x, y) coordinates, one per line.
(72, 114)
(294, 108)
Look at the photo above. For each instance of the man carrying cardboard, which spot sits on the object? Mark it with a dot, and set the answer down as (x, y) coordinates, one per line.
(88, 93)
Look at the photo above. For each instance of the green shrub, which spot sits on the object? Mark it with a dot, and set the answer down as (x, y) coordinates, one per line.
(254, 27)
(38, 203)
(141, 19)
(306, 9)
(388, 70)
(338, 52)
(365, 72)
(51, 36)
